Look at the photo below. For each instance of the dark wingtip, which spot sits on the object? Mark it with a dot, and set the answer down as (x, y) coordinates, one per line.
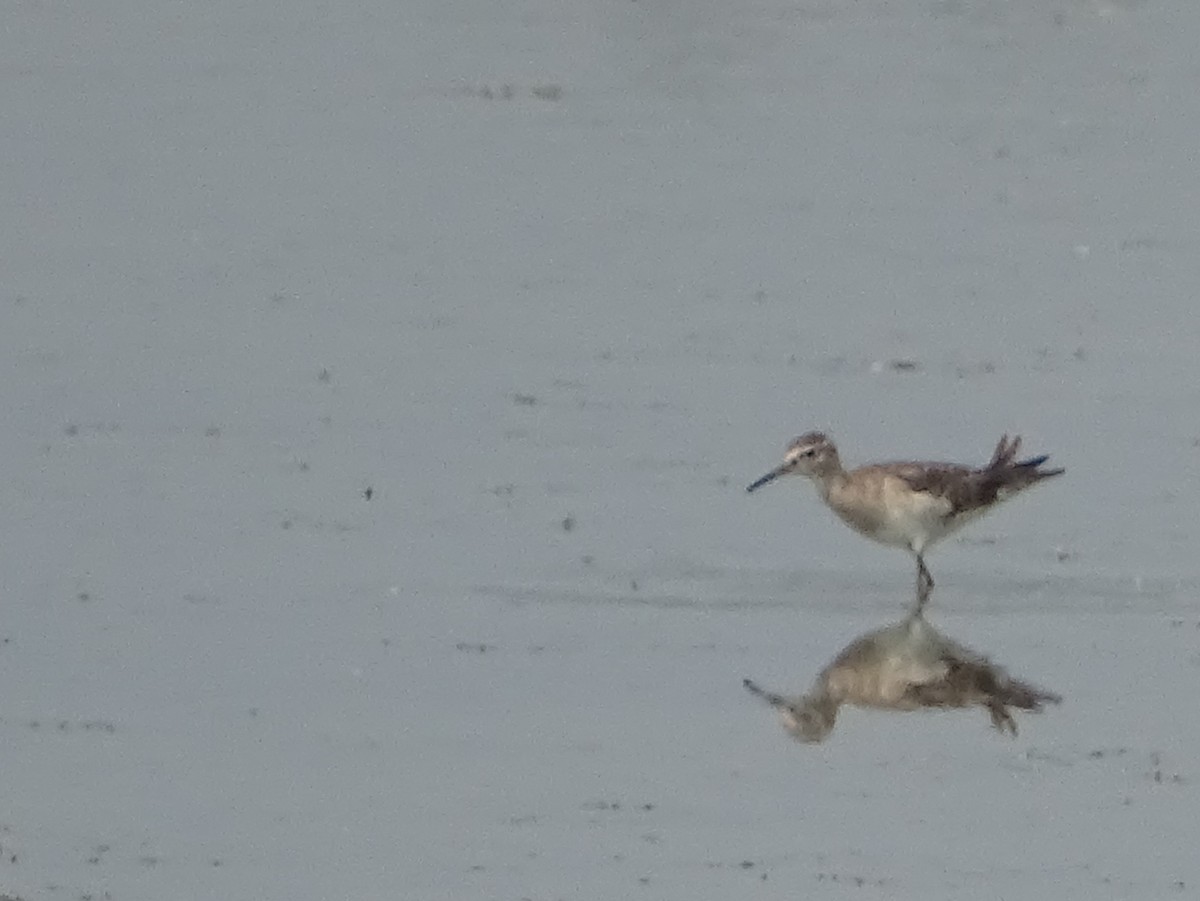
(1031, 698)
(1035, 462)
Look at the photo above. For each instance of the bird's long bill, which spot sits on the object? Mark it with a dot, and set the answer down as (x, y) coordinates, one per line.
(770, 697)
(769, 477)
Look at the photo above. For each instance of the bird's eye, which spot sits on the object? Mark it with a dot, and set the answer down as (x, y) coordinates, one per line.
(810, 452)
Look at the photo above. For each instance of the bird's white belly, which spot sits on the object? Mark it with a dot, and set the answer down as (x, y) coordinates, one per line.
(913, 520)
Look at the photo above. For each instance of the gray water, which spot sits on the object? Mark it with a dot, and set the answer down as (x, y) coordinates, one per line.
(554, 281)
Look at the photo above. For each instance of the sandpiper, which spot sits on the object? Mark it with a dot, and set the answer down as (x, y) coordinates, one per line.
(909, 505)
(905, 666)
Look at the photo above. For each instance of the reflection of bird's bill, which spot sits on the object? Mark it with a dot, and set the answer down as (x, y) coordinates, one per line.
(775, 700)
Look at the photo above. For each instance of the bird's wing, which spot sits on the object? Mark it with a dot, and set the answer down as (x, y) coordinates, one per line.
(963, 489)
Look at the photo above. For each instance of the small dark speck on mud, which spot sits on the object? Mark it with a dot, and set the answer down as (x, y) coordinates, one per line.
(83, 597)
(602, 804)
(524, 400)
(212, 432)
(487, 92)
(368, 492)
(905, 366)
(324, 376)
(568, 523)
(474, 647)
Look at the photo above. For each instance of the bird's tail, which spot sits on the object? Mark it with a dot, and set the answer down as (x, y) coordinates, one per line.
(1009, 475)
(1024, 696)
(978, 681)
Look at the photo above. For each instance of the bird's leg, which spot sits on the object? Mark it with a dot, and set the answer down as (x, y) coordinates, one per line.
(923, 573)
(922, 596)
(1002, 720)
(924, 583)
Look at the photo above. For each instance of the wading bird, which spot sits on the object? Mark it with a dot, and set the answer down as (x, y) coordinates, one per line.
(909, 505)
